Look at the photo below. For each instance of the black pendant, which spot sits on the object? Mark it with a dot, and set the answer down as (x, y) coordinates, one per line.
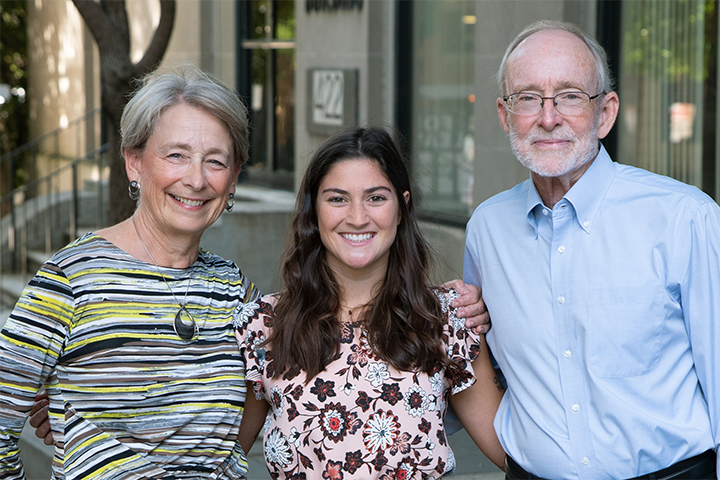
(184, 324)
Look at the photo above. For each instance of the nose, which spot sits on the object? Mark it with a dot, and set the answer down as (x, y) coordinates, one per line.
(357, 215)
(549, 116)
(195, 174)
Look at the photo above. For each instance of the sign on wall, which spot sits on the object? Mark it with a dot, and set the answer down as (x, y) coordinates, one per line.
(332, 5)
(332, 97)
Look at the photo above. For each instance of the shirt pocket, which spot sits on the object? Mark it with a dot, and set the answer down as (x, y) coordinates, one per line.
(626, 329)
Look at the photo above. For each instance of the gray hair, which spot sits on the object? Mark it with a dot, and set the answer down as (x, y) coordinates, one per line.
(605, 81)
(189, 85)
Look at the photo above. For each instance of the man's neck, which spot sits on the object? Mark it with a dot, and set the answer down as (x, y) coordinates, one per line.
(553, 189)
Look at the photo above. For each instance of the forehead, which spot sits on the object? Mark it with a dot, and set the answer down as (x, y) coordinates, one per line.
(550, 60)
(356, 171)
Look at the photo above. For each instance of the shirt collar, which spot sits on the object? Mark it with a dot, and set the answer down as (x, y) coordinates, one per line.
(589, 191)
(585, 196)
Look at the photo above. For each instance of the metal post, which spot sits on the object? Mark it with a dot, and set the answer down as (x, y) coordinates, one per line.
(12, 234)
(75, 204)
(48, 214)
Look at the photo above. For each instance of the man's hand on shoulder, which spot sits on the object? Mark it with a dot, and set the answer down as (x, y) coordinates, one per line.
(471, 306)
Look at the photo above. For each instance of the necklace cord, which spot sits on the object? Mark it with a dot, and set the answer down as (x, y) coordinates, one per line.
(183, 330)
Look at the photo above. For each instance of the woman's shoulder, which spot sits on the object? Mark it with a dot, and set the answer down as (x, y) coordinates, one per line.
(213, 260)
(271, 299)
(89, 245)
(445, 296)
(260, 309)
(227, 272)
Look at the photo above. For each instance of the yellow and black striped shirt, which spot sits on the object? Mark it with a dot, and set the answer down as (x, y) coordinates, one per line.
(129, 399)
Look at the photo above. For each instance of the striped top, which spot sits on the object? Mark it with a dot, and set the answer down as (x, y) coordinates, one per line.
(129, 399)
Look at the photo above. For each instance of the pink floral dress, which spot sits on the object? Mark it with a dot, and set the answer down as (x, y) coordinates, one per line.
(360, 418)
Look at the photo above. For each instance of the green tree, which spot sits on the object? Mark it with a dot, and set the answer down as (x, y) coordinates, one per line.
(13, 74)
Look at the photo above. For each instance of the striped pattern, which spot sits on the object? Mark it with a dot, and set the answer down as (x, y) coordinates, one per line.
(128, 398)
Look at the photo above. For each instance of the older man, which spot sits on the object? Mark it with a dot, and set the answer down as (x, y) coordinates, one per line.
(602, 281)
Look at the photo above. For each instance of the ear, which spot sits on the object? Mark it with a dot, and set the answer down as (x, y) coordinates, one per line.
(608, 114)
(236, 172)
(406, 196)
(132, 164)
(502, 114)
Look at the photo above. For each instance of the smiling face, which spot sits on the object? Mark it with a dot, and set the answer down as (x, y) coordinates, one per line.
(358, 215)
(186, 172)
(551, 144)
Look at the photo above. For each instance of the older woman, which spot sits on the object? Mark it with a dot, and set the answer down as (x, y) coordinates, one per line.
(129, 329)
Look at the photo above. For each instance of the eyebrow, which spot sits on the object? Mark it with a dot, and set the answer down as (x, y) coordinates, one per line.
(345, 192)
(186, 146)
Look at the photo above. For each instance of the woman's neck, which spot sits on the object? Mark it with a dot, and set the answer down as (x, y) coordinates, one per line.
(145, 243)
(358, 290)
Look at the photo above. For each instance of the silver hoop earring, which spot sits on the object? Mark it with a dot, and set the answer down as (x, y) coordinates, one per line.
(230, 203)
(134, 190)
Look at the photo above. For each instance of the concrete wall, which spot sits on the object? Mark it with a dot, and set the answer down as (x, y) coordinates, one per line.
(62, 70)
(362, 39)
(253, 235)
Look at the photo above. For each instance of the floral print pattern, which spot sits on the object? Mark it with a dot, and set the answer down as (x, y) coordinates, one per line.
(360, 418)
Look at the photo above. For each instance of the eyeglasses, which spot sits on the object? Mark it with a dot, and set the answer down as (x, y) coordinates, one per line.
(567, 103)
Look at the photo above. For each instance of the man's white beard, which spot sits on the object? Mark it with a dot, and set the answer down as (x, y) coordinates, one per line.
(555, 163)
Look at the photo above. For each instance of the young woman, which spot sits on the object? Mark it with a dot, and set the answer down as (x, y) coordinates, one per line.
(358, 357)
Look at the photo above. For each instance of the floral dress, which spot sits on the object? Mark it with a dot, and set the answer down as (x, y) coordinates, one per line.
(360, 418)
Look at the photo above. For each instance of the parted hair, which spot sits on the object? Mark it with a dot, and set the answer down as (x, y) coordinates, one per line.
(185, 84)
(404, 321)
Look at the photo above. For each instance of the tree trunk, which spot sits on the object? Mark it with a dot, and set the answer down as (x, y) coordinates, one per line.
(107, 21)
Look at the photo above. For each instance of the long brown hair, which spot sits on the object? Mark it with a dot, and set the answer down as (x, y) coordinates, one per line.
(404, 322)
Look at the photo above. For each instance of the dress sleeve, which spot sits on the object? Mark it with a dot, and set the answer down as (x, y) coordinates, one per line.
(30, 344)
(253, 322)
(463, 345)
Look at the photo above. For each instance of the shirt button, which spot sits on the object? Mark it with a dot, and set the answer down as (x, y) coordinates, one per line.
(585, 461)
(568, 353)
(545, 212)
(561, 300)
(586, 224)
(561, 249)
(576, 407)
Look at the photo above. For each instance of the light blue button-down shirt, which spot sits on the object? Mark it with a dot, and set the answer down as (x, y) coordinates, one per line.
(606, 321)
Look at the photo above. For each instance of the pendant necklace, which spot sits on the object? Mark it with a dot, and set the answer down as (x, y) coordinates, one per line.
(184, 324)
(350, 309)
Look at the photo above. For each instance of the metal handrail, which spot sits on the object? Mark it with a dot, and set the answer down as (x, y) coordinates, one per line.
(41, 139)
(46, 213)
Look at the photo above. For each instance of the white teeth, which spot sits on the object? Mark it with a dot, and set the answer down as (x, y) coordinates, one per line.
(191, 203)
(358, 238)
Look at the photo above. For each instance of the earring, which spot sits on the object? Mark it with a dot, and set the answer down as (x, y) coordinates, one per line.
(231, 203)
(134, 190)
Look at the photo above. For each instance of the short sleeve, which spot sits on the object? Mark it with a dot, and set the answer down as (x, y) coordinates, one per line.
(252, 323)
(463, 345)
